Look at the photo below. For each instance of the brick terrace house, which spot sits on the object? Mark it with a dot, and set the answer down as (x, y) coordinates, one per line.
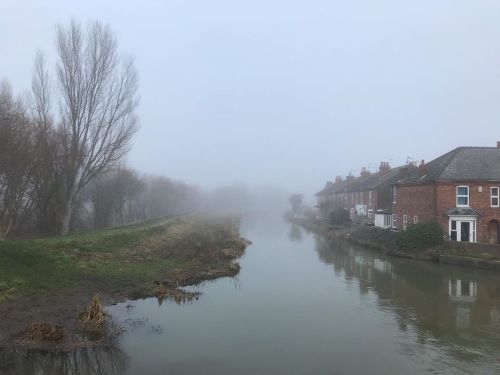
(369, 194)
(459, 190)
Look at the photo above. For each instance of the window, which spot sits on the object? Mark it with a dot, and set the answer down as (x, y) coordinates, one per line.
(415, 219)
(394, 194)
(370, 197)
(387, 221)
(405, 221)
(453, 230)
(494, 197)
(394, 219)
(462, 196)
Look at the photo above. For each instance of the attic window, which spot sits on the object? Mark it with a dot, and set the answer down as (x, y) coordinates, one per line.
(462, 196)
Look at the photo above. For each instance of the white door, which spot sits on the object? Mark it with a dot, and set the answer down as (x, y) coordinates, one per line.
(462, 230)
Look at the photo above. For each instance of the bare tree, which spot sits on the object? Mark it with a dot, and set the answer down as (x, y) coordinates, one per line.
(97, 92)
(17, 163)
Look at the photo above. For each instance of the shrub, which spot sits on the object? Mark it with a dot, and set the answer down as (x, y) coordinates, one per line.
(340, 216)
(385, 237)
(420, 236)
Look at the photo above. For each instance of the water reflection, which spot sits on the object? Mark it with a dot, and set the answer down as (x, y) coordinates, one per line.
(101, 360)
(454, 308)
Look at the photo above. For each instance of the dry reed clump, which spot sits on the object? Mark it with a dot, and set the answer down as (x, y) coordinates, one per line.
(175, 294)
(94, 317)
(43, 332)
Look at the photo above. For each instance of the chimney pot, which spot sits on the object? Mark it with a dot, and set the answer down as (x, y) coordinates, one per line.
(384, 168)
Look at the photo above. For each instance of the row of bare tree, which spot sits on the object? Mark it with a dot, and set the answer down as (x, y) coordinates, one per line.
(62, 145)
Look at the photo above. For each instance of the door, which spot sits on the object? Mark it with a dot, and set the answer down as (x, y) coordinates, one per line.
(465, 231)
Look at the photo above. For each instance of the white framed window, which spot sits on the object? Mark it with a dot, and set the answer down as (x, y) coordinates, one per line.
(394, 194)
(405, 221)
(495, 201)
(394, 219)
(462, 196)
(370, 193)
(387, 221)
(415, 219)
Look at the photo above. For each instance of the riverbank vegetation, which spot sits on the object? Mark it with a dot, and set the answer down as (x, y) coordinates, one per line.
(124, 259)
(51, 280)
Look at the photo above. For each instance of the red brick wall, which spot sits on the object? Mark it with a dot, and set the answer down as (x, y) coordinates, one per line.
(415, 200)
(480, 202)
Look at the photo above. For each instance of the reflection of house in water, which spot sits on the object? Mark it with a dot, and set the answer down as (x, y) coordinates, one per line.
(463, 293)
(449, 303)
(462, 290)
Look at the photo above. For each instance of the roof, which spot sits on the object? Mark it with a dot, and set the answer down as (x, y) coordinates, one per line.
(461, 164)
(462, 211)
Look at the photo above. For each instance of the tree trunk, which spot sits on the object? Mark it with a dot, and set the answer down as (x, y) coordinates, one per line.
(66, 217)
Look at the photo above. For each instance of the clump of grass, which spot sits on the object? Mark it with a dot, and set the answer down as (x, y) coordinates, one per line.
(94, 317)
(43, 332)
(176, 294)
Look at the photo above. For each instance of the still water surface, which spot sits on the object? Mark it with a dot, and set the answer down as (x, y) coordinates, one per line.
(305, 305)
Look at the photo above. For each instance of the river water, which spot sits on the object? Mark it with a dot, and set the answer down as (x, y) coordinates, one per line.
(306, 305)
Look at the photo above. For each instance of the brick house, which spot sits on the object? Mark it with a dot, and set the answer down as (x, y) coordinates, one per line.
(364, 195)
(459, 190)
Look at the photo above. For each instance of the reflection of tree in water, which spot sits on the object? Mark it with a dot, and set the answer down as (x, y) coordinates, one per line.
(458, 306)
(100, 360)
(295, 233)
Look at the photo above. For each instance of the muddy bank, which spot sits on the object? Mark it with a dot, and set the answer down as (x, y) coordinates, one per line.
(175, 254)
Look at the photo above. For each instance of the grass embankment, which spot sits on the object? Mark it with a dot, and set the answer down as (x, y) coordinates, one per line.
(122, 261)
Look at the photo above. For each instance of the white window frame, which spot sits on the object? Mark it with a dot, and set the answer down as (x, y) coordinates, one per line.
(370, 193)
(415, 219)
(394, 194)
(462, 196)
(497, 196)
(458, 222)
(394, 219)
(387, 221)
(405, 221)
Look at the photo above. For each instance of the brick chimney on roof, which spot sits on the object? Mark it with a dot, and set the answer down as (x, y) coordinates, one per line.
(422, 168)
(349, 178)
(364, 172)
(384, 168)
(498, 144)
(404, 171)
(338, 179)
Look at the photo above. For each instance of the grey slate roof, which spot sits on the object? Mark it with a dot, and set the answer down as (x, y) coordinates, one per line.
(461, 164)
(462, 211)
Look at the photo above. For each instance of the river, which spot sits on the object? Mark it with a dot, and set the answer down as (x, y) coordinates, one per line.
(306, 305)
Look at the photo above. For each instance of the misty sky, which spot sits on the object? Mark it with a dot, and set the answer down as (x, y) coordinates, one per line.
(288, 93)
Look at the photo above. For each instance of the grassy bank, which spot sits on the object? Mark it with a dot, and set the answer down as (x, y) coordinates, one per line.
(120, 261)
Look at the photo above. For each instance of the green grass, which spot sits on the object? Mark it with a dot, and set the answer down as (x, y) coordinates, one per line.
(110, 260)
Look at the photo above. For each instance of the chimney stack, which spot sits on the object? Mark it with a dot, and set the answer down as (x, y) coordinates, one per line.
(349, 178)
(338, 179)
(404, 171)
(422, 169)
(384, 168)
(364, 172)
(498, 144)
